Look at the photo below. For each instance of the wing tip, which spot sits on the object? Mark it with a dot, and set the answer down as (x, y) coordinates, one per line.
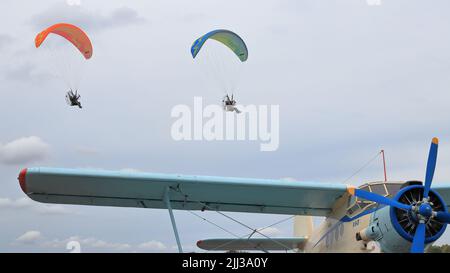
(22, 180)
(199, 243)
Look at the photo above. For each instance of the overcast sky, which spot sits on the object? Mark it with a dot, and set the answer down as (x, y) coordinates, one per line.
(350, 79)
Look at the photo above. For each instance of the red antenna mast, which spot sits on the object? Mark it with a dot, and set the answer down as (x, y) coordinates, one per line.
(384, 166)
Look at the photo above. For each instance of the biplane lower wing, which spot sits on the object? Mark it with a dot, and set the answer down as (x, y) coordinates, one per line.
(263, 244)
(151, 190)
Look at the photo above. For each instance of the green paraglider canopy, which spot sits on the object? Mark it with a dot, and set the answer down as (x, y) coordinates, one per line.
(226, 37)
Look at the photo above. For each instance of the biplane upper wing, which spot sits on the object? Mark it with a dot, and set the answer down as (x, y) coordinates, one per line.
(149, 190)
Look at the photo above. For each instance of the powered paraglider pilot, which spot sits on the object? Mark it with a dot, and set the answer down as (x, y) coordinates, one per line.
(229, 105)
(73, 99)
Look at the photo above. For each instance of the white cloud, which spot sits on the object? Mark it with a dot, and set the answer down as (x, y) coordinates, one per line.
(186, 248)
(88, 20)
(24, 150)
(130, 170)
(96, 243)
(271, 231)
(73, 2)
(87, 244)
(290, 179)
(27, 203)
(29, 237)
(152, 245)
(18, 203)
(52, 209)
(92, 244)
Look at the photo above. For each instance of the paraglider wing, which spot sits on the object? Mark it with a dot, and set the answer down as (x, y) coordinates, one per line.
(70, 32)
(226, 37)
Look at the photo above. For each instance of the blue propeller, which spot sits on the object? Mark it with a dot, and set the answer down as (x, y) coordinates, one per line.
(418, 244)
(423, 210)
(443, 217)
(380, 199)
(431, 165)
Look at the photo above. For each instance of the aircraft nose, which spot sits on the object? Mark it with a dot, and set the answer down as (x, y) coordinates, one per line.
(22, 180)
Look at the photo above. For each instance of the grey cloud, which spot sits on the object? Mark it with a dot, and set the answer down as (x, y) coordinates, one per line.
(25, 203)
(88, 20)
(25, 73)
(24, 150)
(20, 73)
(121, 17)
(5, 40)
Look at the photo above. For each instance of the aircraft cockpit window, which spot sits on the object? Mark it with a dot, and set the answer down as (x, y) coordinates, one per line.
(365, 188)
(357, 205)
(351, 201)
(364, 203)
(353, 209)
(379, 189)
(393, 188)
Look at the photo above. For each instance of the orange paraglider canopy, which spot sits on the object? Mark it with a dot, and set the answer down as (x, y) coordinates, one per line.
(72, 33)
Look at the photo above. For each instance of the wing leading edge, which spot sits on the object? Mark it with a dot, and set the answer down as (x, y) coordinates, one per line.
(147, 190)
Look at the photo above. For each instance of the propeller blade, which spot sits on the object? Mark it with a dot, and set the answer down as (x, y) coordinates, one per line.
(443, 217)
(418, 244)
(431, 165)
(380, 199)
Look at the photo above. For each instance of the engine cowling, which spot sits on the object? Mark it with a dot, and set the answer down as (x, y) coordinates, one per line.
(394, 228)
(405, 222)
(418, 211)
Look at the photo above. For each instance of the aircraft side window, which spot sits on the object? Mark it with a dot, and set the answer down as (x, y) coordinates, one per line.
(353, 209)
(364, 203)
(351, 201)
(365, 188)
(379, 189)
(393, 188)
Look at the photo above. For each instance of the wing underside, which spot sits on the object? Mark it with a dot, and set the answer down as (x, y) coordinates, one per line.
(147, 190)
(263, 244)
